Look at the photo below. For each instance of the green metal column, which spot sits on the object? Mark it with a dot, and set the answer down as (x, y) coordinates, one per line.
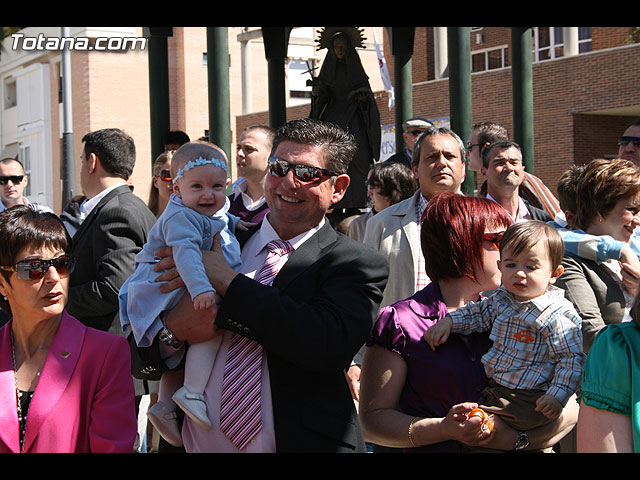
(277, 92)
(276, 42)
(522, 85)
(401, 39)
(218, 80)
(460, 104)
(158, 85)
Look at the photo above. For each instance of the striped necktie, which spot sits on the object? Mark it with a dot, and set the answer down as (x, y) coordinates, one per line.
(240, 418)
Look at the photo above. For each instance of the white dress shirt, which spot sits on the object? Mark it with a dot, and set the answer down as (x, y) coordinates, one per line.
(195, 438)
(523, 212)
(89, 204)
(247, 201)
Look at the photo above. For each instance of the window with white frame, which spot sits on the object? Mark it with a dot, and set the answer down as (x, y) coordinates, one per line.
(24, 155)
(490, 59)
(584, 39)
(548, 42)
(10, 93)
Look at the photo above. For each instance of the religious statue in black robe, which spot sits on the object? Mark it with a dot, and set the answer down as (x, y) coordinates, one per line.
(342, 95)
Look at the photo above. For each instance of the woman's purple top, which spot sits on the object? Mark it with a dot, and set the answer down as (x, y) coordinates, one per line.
(435, 380)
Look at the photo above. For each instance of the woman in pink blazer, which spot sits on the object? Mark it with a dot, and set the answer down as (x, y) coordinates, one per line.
(64, 387)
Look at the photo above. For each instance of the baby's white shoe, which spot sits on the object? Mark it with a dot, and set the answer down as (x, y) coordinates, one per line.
(193, 405)
(164, 420)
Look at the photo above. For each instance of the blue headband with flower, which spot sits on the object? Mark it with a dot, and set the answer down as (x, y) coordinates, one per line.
(196, 163)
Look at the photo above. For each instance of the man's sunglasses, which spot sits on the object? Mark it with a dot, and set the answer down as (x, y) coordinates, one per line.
(15, 179)
(493, 238)
(304, 173)
(625, 140)
(36, 268)
(165, 176)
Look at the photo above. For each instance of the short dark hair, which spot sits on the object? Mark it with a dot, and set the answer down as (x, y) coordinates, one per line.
(270, 132)
(23, 226)
(7, 160)
(433, 130)
(175, 137)
(338, 146)
(115, 149)
(567, 188)
(490, 132)
(451, 235)
(395, 181)
(522, 236)
(500, 145)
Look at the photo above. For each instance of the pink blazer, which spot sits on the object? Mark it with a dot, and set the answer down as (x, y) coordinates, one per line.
(84, 400)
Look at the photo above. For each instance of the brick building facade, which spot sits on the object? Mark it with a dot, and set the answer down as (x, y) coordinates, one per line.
(582, 103)
(111, 89)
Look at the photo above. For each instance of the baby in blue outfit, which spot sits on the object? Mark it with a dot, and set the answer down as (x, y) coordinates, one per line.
(197, 210)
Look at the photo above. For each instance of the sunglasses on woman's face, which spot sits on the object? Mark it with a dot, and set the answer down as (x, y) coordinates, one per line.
(165, 176)
(493, 238)
(304, 173)
(36, 268)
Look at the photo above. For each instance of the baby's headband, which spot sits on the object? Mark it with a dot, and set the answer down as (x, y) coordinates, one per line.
(196, 163)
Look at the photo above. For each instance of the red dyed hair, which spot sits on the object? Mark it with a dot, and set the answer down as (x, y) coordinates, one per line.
(451, 233)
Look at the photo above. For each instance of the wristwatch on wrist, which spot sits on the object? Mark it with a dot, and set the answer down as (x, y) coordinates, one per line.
(167, 337)
(522, 443)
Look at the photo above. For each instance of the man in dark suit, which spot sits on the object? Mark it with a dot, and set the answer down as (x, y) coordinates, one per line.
(310, 322)
(113, 230)
(503, 167)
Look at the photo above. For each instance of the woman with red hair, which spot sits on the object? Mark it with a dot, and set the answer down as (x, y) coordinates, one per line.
(418, 399)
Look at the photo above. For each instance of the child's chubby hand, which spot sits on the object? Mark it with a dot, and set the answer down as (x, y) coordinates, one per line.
(439, 333)
(244, 225)
(204, 300)
(549, 406)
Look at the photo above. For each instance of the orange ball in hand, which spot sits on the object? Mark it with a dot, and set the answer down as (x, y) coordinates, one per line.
(486, 421)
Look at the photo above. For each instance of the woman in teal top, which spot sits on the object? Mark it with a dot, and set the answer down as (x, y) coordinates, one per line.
(609, 419)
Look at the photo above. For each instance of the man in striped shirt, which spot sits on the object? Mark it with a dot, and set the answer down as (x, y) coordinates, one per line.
(532, 189)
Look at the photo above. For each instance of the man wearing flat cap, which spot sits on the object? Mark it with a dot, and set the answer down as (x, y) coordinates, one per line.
(411, 129)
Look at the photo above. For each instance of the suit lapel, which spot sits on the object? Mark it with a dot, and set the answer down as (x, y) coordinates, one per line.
(305, 256)
(410, 227)
(8, 406)
(58, 368)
